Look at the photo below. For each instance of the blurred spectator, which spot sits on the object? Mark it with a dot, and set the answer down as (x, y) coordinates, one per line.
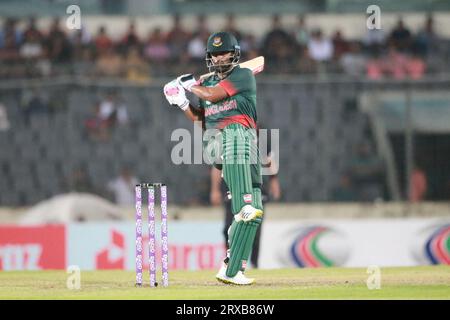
(345, 191)
(249, 47)
(319, 48)
(9, 51)
(374, 41)
(31, 47)
(320, 51)
(418, 185)
(177, 40)
(58, 46)
(113, 110)
(83, 36)
(32, 31)
(202, 25)
(10, 31)
(55, 30)
(197, 44)
(278, 46)
(304, 62)
(122, 187)
(107, 114)
(80, 40)
(109, 63)
(131, 38)
(426, 39)
(102, 41)
(401, 37)
(300, 32)
(136, 70)
(33, 53)
(353, 62)
(340, 45)
(366, 172)
(96, 127)
(230, 26)
(156, 48)
(157, 52)
(275, 38)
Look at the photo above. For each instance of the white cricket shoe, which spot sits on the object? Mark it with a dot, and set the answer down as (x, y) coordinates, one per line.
(248, 213)
(239, 279)
(222, 271)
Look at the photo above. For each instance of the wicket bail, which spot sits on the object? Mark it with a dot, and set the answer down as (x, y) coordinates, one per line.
(151, 234)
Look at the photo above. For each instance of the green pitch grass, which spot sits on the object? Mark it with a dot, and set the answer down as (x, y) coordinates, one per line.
(431, 282)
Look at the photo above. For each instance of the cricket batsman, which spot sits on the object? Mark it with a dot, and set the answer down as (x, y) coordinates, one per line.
(227, 102)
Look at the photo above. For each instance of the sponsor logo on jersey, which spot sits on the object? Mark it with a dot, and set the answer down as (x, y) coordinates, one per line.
(222, 107)
(248, 198)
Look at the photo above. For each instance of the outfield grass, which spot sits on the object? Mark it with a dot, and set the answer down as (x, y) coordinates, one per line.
(430, 282)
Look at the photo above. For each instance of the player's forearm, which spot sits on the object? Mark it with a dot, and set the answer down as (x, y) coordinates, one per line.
(203, 93)
(194, 114)
(211, 94)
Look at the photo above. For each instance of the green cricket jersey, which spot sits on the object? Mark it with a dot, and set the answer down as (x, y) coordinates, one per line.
(239, 107)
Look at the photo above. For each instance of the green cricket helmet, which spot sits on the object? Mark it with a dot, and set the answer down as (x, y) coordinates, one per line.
(221, 42)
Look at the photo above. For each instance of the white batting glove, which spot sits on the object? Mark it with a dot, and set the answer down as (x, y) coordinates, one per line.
(187, 81)
(176, 95)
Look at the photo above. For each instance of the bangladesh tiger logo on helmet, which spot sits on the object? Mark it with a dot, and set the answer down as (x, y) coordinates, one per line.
(217, 42)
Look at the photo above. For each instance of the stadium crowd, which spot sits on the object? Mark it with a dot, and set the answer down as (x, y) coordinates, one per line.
(32, 52)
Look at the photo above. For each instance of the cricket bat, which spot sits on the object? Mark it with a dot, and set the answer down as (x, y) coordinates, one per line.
(256, 65)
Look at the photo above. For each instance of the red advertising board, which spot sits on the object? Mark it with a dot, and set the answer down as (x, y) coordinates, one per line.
(32, 247)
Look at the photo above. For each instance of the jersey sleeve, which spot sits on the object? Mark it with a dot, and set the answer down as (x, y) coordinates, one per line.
(204, 83)
(241, 80)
